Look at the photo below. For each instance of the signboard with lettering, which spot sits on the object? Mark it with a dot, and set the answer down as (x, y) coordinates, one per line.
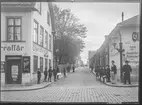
(14, 72)
(26, 64)
(12, 47)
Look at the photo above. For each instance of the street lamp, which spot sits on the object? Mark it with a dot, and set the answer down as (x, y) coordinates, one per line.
(120, 50)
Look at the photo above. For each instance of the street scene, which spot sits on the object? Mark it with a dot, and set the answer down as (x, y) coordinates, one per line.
(70, 52)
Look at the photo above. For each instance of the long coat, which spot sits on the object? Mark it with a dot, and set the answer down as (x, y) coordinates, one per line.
(126, 69)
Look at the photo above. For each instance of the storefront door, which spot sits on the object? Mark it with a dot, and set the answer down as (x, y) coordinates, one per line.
(13, 70)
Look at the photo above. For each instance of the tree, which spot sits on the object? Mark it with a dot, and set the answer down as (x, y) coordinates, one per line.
(69, 35)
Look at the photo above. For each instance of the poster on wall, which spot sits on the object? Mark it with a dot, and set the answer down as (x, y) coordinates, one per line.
(26, 64)
(14, 71)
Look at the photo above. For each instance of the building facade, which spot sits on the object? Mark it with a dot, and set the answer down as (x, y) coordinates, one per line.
(26, 40)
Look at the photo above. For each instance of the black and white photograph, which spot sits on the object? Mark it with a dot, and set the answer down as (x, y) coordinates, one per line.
(70, 51)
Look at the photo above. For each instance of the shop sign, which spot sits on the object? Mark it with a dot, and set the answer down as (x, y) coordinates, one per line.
(135, 36)
(37, 48)
(12, 47)
(14, 71)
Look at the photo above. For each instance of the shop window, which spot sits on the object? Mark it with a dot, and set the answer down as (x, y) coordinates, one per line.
(46, 63)
(2, 66)
(41, 64)
(41, 35)
(26, 64)
(13, 29)
(35, 63)
(35, 31)
(46, 39)
(49, 42)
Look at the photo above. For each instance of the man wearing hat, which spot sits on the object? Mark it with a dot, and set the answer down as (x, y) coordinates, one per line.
(113, 72)
(126, 69)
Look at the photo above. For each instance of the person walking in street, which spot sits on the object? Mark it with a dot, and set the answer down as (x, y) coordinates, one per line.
(126, 69)
(38, 75)
(73, 68)
(58, 71)
(108, 73)
(113, 72)
(64, 72)
(45, 74)
(54, 73)
(49, 74)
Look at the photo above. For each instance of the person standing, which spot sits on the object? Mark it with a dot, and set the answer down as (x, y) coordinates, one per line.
(64, 72)
(55, 74)
(45, 74)
(49, 74)
(58, 71)
(38, 75)
(126, 69)
(113, 72)
(97, 71)
(73, 68)
(108, 73)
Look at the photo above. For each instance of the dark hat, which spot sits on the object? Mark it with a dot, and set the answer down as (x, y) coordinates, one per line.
(126, 61)
(113, 61)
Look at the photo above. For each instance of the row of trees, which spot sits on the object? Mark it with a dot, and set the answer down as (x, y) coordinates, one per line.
(69, 35)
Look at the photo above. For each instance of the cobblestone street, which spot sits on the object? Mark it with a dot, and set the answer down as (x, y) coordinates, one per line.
(80, 86)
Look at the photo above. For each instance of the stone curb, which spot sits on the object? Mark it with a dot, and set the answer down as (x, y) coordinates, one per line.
(117, 85)
(33, 88)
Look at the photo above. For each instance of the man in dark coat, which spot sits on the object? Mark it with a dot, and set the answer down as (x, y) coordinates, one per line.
(64, 70)
(49, 74)
(113, 72)
(58, 71)
(97, 71)
(55, 74)
(108, 73)
(38, 75)
(73, 67)
(127, 70)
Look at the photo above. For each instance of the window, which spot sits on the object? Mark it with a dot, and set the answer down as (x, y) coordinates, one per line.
(39, 7)
(41, 35)
(48, 18)
(35, 31)
(41, 64)
(46, 63)
(2, 66)
(49, 42)
(46, 39)
(35, 63)
(13, 29)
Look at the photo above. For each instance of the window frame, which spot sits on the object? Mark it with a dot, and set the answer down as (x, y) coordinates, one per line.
(37, 30)
(42, 36)
(46, 61)
(46, 36)
(41, 59)
(48, 18)
(50, 46)
(13, 17)
(35, 70)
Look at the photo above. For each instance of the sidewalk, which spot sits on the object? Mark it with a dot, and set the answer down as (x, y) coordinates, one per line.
(28, 88)
(118, 84)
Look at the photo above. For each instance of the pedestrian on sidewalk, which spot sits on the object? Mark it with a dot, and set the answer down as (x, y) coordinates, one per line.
(45, 74)
(64, 72)
(108, 73)
(49, 74)
(38, 75)
(126, 69)
(54, 73)
(113, 72)
(58, 71)
(97, 71)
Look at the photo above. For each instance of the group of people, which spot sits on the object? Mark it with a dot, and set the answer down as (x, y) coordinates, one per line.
(110, 72)
(48, 73)
(54, 72)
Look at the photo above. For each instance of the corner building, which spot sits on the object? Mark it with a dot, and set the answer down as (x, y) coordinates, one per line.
(26, 41)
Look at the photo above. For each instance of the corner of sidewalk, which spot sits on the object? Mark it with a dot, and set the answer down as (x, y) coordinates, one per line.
(119, 84)
(28, 88)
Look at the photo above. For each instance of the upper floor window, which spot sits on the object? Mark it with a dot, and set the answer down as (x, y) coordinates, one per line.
(13, 29)
(39, 7)
(41, 35)
(48, 18)
(49, 42)
(35, 31)
(46, 39)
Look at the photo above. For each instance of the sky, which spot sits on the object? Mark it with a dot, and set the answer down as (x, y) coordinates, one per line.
(100, 19)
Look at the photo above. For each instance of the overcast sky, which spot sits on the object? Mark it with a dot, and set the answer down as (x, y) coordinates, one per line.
(99, 19)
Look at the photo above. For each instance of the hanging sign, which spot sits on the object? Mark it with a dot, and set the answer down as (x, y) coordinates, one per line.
(135, 36)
